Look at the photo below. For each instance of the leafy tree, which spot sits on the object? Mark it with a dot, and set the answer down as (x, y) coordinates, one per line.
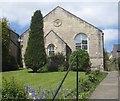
(35, 56)
(8, 61)
(83, 60)
(5, 44)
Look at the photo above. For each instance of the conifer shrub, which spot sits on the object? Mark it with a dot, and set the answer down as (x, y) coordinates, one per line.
(35, 56)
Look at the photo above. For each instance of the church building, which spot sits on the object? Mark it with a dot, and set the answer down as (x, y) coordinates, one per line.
(64, 32)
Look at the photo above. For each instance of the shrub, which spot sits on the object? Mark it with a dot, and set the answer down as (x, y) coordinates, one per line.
(93, 76)
(84, 85)
(44, 68)
(13, 90)
(88, 85)
(61, 68)
(56, 61)
(83, 60)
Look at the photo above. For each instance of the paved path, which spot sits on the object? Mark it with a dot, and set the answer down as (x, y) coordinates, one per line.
(108, 88)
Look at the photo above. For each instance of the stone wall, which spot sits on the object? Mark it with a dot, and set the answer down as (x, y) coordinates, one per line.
(67, 26)
(14, 45)
(70, 26)
(23, 44)
(52, 38)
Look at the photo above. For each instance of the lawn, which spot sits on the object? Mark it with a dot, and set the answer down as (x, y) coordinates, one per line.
(49, 80)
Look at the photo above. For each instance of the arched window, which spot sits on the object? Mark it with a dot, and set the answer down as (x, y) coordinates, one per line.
(81, 42)
(50, 49)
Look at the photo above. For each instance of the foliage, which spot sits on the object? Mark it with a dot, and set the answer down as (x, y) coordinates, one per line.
(87, 86)
(13, 90)
(61, 68)
(43, 69)
(106, 60)
(8, 61)
(35, 56)
(9, 64)
(5, 44)
(56, 62)
(83, 60)
(68, 90)
(92, 77)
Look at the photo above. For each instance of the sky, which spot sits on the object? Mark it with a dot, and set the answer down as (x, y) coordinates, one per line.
(100, 13)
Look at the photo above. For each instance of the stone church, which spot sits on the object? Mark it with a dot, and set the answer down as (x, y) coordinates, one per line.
(64, 32)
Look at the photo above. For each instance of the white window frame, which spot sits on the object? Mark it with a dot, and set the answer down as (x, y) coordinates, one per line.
(80, 43)
(51, 49)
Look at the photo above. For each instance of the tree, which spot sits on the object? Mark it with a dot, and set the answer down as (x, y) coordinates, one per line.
(35, 56)
(83, 60)
(8, 61)
(5, 44)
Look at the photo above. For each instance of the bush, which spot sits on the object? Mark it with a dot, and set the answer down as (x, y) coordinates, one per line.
(43, 69)
(88, 85)
(84, 85)
(93, 76)
(55, 62)
(83, 60)
(13, 90)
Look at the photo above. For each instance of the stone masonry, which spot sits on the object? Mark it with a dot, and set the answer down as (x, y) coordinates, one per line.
(60, 29)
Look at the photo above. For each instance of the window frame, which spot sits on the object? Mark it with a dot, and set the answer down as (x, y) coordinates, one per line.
(81, 37)
(51, 49)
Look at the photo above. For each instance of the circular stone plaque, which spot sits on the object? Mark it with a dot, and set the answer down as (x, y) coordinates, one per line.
(57, 23)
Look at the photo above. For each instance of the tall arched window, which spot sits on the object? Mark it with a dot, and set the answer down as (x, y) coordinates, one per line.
(81, 41)
(50, 49)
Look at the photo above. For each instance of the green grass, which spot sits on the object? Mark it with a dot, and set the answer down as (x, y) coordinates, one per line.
(49, 80)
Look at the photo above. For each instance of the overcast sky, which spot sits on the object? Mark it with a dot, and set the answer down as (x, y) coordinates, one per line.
(103, 15)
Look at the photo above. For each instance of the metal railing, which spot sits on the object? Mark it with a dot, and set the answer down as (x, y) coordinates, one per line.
(75, 58)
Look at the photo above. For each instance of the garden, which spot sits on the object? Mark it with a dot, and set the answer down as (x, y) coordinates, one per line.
(43, 74)
(22, 84)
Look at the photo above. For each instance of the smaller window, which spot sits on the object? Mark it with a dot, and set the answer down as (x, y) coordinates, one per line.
(51, 49)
